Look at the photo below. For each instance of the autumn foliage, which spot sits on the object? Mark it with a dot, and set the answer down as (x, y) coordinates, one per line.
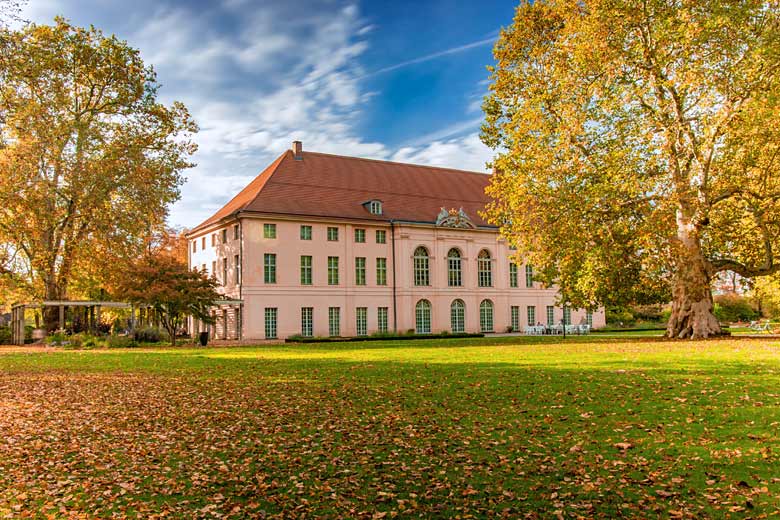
(165, 284)
(638, 148)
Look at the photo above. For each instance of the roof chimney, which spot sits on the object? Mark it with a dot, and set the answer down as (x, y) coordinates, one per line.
(297, 149)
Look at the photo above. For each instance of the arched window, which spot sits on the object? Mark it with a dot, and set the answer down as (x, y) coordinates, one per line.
(422, 315)
(486, 316)
(485, 269)
(422, 275)
(454, 271)
(458, 316)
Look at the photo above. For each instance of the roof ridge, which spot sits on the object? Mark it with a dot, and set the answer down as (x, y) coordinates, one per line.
(423, 166)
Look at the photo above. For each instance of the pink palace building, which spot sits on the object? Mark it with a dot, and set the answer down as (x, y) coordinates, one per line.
(326, 245)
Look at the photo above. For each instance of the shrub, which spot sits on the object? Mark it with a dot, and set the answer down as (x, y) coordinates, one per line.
(151, 335)
(121, 342)
(620, 316)
(733, 307)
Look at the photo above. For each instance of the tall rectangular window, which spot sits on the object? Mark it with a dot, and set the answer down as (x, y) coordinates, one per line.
(203, 242)
(269, 268)
(214, 268)
(307, 321)
(360, 236)
(550, 315)
(305, 232)
(213, 239)
(237, 269)
(589, 318)
(224, 271)
(333, 270)
(566, 315)
(306, 270)
(361, 321)
(194, 246)
(334, 321)
(271, 314)
(333, 234)
(530, 312)
(381, 236)
(512, 274)
(529, 276)
(381, 319)
(381, 271)
(515, 315)
(224, 236)
(360, 270)
(269, 230)
(236, 232)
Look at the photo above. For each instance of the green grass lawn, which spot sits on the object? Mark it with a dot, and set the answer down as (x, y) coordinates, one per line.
(513, 427)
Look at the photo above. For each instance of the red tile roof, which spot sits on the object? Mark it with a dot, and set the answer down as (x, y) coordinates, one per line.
(324, 185)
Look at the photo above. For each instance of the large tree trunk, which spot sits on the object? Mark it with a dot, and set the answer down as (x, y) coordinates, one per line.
(692, 304)
(51, 315)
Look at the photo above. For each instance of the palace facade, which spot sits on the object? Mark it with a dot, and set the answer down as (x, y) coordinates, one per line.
(326, 245)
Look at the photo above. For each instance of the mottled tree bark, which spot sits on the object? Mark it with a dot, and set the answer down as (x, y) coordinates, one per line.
(692, 306)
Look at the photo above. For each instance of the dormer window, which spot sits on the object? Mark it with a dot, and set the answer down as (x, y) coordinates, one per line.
(374, 207)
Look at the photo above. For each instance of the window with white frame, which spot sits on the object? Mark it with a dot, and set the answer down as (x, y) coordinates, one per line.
(422, 274)
(224, 271)
(529, 276)
(484, 269)
(454, 268)
(375, 207)
(360, 236)
(334, 321)
(307, 321)
(306, 270)
(224, 236)
(271, 315)
(589, 318)
(305, 232)
(512, 274)
(515, 318)
(360, 270)
(333, 234)
(333, 270)
(530, 313)
(237, 269)
(381, 271)
(269, 268)
(566, 315)
(486, 316)
(550, 315)
(458, 316)
(381, 236)
(269, 230)
(422, 314)
(381, 319)
(194, 246)
(361, 321)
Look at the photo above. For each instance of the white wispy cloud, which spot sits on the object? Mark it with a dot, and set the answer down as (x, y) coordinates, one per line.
(433, 56)
(275, 76)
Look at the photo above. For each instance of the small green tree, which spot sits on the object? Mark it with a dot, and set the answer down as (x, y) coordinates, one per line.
(173, 291)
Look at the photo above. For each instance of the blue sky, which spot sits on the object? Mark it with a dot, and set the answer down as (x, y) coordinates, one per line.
(390, 80)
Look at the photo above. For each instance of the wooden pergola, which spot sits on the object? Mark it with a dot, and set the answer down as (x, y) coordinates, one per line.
(93, 313)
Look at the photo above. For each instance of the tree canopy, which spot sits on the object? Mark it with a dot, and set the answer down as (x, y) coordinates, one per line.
(162, 281)
(89, 158)
(637, 147)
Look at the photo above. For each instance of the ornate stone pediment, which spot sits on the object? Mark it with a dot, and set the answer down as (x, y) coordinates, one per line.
(454, 219)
